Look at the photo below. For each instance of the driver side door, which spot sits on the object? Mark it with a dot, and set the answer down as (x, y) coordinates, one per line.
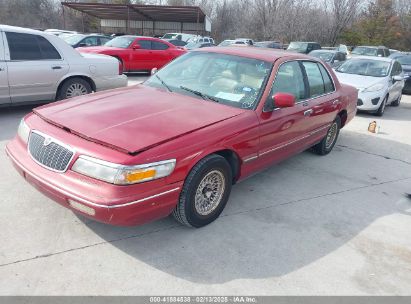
(140, 55)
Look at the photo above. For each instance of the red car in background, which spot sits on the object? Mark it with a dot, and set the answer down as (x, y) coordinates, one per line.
(138, 54)
(177, 142)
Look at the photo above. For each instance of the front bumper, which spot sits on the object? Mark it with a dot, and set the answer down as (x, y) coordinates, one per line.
(110, 82)
(370, 101)
(130, 209)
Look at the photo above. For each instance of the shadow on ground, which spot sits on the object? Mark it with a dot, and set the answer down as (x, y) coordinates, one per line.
(280, 220)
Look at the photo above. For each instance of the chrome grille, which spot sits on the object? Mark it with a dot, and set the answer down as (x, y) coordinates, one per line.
(48, 153)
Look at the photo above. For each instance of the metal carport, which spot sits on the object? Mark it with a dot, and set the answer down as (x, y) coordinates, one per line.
(146, 20)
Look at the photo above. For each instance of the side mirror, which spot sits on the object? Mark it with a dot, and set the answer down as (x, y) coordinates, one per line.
(283, 100)
(397, 78)
(136, 47)
(154, 71)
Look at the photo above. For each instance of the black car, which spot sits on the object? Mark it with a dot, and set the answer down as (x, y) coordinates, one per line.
(333, 58)
(303, 47)
(177, 42)
(269, 44)
(81, 40)
(405, 60)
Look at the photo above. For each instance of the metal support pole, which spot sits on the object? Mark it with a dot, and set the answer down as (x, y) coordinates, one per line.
(64, 18)
(128, 19)
(82, 21)
(198, 20)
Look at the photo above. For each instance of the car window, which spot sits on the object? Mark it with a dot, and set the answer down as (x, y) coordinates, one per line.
(155, 45)
(90, 41)
(145, 44)
(328, 83)
(396, 69)
(30, 47)
(104, 40)
(289, 79)
(315, 78)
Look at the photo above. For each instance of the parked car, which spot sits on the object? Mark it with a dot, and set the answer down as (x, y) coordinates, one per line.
(180, 36)
(303, 47)
(138, 53)
(226, 42)
(36, 67)
(81, 40)
(379, 82)
(405, 60)
(204, 40)
(177, 143)
(333, 58)
(244, 40)
(197, 45)
(379, 51)
(269, 44)
(177, 42)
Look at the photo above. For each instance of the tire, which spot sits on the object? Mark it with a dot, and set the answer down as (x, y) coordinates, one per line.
(381, 109)
(196, 190)
(396, 102)
(326, 145)
(74, 87)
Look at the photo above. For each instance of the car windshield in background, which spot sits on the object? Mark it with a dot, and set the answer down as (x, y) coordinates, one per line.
(73, 39)
(366, 51)
(230, 80)
(298, 46)
(169, 36)
(365, 67)
(120, 42)
(404, 60)
(226, 43)
(326, 56)
(192, 45)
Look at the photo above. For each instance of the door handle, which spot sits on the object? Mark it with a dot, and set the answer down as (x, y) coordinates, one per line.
(56, 67)
(308, 112)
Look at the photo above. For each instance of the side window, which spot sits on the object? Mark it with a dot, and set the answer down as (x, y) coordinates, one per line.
(104, 40)
(289, 79)
(315, 79)
(159, 46)
(328, 83)
(145, 44)
(91, 41)
(23, 46)
(380, 52)
(47, 49)
(396, 69)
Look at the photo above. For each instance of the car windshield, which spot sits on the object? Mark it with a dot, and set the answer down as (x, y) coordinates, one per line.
(226, 42)
(404, 60)
(169, 36)
(326, 56)
(366, 51)
(365, 67)
(298, 46)
(230, 80)
(73, 39)
(193, 45)
(122, 42)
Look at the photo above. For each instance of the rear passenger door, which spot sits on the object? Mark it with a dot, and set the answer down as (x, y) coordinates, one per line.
(35, 67)
(161, 54)
(4, 82)
(321, 107)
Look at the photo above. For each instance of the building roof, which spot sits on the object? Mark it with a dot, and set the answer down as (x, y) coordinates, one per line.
(190, 14)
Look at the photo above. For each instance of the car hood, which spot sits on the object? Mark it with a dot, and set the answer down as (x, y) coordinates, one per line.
(98, 49)
(135, 119)
(358, 81)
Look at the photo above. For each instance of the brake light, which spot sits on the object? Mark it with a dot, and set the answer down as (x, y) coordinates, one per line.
(120, 67)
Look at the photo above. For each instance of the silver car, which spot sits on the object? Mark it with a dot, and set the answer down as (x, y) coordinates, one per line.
(36, 67)
(379, 82)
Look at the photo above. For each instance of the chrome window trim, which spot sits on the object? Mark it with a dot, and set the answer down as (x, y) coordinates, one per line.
(308, 99)
(55, 141)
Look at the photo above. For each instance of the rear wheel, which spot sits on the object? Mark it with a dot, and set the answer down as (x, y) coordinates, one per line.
(205, 192)
(327, 144)
(74, 87)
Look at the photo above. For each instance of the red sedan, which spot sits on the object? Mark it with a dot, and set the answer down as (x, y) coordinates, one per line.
(138, 54)
(177, 143)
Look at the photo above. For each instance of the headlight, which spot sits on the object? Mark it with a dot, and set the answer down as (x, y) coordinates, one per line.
(23, 131)
(374, 88)
(122, 175)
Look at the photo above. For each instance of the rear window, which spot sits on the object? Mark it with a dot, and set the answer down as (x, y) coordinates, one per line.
(30, 47)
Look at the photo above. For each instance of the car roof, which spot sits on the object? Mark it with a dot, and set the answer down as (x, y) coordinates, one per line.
(385, 59)
(4, 27)
(326, 51)
(372, 46)
(264, 54)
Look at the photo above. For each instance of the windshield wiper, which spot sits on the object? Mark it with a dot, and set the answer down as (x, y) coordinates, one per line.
(198, 93)
(163, 83)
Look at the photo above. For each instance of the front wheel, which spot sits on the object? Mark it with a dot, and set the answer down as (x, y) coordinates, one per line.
(397, 102)
(327, 144)
(205, 192)
(381, 109)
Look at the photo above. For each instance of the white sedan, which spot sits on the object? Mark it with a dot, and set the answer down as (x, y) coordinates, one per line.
(379, 82)
(36, 67)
